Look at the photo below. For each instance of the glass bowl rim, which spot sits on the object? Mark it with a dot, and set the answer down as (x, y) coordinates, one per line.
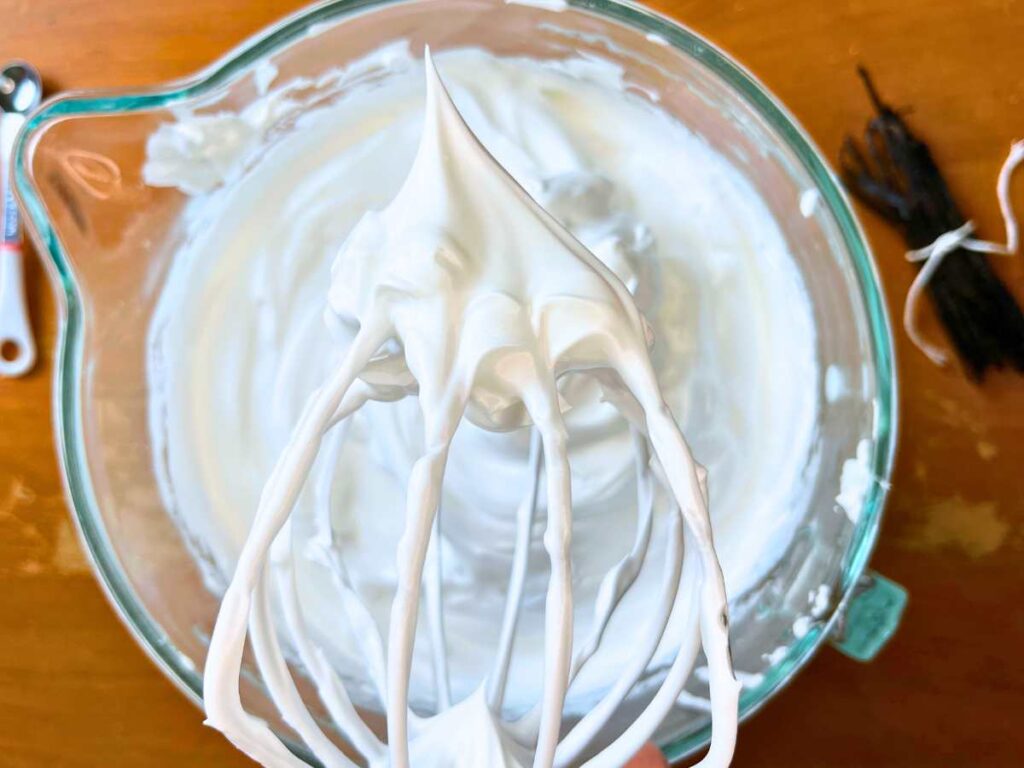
(68, 361)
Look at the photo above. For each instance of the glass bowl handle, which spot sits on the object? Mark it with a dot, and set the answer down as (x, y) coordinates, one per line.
(870, 618)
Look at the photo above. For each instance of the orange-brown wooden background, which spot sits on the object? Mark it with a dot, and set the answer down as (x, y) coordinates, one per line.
(949, 690)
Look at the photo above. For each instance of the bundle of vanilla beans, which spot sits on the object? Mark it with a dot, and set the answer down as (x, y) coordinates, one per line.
(895, 175)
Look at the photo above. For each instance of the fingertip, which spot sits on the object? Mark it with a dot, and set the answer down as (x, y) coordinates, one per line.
(648, 757)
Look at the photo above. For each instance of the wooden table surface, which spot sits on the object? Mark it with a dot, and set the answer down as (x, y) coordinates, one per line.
(75, 690)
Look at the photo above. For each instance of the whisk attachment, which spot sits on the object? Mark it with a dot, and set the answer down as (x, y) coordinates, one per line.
(488, 314)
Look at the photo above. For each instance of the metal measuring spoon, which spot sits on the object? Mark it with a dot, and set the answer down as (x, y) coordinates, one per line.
(20, 92)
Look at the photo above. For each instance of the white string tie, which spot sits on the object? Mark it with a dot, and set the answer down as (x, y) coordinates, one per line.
(933, 255)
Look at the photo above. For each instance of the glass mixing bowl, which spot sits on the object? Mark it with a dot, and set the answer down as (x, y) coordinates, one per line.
(108, 239)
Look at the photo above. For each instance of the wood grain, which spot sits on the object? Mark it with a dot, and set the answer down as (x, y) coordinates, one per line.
(76, 691)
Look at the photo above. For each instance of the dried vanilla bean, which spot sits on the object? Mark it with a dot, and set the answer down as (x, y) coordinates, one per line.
(894, 173)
